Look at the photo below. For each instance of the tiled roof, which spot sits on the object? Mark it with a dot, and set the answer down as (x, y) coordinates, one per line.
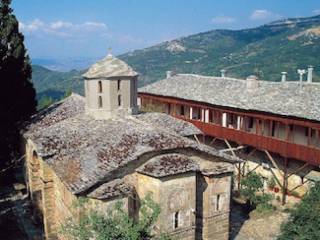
(85, 152)
(168, 164)
(109, 67)
(281, 98)
(112, 189)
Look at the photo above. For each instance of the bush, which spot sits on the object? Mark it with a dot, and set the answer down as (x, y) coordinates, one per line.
(251, 185)
(272, 183)
(117, 224)
(304, 219)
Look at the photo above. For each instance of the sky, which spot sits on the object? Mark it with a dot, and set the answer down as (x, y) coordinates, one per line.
(88, 28)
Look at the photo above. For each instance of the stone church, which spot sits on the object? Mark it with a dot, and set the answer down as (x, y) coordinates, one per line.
(100, 147)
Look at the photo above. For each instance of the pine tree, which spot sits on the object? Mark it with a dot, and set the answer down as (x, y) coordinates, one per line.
(17, 97)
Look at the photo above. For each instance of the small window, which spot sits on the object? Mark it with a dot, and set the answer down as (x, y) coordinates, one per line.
(218, 203)
(306, 131)
(182, 110)
(118, 84)
(119, 100)
(250, 122)
(176, 220)
(273, 130)
(100, 102)
(291, 127)
(100, 87)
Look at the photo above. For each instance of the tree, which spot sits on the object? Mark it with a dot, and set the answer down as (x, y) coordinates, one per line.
(45, 102)
(116, 224)
(304, 221)
(17, 98)
(252, 186)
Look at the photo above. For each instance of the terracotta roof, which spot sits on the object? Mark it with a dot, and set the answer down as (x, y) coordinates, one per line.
(85, 152)
(282, 98)
(109, 67)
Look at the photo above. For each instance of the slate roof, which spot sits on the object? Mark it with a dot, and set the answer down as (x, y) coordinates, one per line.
(112, 189)
(168, 164)
(85, 152)
(109, 67)
(281, 98)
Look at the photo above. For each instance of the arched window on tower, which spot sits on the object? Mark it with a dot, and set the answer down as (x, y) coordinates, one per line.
(100, 87)
(118, 84)
(176, 219)
(100, 102)
(119, 100)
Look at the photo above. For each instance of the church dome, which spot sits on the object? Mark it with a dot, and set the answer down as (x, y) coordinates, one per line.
(109, 67)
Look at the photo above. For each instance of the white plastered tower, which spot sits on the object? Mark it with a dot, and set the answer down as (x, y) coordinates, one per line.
(110, 89)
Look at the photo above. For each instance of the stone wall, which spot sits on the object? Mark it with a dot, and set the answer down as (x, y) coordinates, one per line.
(190, 208)
(176, 197)
(216, 207)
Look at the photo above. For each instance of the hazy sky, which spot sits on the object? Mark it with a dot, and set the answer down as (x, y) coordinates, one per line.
(87, 28)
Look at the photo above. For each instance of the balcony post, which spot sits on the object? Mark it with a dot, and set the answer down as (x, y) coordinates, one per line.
(309, 136)
(191, 113)
(285, 181)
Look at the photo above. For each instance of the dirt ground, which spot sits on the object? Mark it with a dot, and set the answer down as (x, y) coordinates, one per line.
(253, 226)
(16, 221)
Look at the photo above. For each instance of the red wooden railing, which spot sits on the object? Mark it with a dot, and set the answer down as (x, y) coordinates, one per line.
(286, 149)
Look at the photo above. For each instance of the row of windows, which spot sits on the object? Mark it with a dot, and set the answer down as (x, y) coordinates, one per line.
(100, 102)
(100, 86)
(216, 206)
(267, 128)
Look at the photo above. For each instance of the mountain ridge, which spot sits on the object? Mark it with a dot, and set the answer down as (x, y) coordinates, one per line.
(267, 50)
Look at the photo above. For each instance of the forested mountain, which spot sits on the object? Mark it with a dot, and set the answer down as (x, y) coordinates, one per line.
(267, 50)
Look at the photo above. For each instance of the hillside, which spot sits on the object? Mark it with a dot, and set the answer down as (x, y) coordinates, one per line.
(267, 50)
(55, 84)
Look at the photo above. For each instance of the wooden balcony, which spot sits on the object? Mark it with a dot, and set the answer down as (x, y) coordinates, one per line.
(308, 154)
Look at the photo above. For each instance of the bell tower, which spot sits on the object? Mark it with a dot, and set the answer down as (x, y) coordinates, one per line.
(110, 89)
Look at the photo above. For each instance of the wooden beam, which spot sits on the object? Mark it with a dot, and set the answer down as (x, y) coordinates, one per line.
(285, 182)
(275, 177)
(195, 136)
(259, 165)
(273, 162)
(212, 141)
(300, 185)
(298, 170)
(252, 152)
(232, 149)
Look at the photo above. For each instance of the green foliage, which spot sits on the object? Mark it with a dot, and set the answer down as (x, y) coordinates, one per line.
(304, 219)
(116, 224)
(265, 51)
(251, 184)
(56, 85)
(251, 189)
(17, 98)
(272, 182)
(263, 203)
(45, 102)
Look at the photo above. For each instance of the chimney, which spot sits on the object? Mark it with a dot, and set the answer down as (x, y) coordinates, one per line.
(252, 83)
(301, 72)
(223, 73)
(284, 76)
(310, 70)
(170, 74)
